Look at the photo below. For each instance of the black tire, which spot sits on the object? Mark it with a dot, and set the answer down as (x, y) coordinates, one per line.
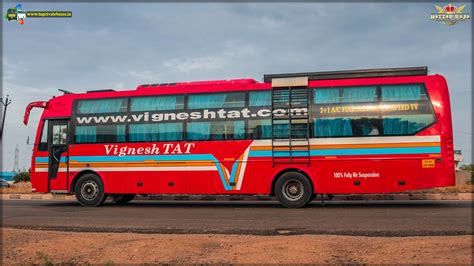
(89, 190)
(313, 196)
(293, 190)
(123, 198)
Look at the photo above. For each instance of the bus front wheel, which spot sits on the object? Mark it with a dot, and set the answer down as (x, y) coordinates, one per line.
(89, 190)
(293, 190)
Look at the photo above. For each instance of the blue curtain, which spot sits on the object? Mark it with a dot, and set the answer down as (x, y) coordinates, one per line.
(218, 100)
(359, 94)
(86, 134)
(326, 96)
(170, 131)
(264, 129)
(120, 133)
(156, 103)
(260, 98)
(281, 131)
(156, 132)
(401, 93)
(199, 130)
(332, 127)
(239, 129)
(199, 101)
(101, 106)
(405, 125)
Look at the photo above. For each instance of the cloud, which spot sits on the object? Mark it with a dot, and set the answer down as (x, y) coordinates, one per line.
(133, 44)
(195, 64)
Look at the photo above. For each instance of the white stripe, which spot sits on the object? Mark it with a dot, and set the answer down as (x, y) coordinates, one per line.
(151, 169)
(242, 170)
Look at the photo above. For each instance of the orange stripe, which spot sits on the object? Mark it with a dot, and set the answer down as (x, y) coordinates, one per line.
(372, 145)
(225, 173)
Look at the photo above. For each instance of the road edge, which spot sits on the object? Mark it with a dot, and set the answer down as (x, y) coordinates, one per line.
(349, 197)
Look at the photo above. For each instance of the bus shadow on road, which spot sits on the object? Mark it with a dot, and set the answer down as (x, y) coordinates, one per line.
(270, 204)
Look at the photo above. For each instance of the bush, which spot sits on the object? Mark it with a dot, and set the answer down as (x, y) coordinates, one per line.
(469, 167)
(22, 177)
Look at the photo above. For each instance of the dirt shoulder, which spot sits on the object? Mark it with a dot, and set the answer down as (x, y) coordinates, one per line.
(43, 247)
(17, 188)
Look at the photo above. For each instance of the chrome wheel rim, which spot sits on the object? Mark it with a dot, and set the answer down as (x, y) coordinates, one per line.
(89, 190)
(293, 190)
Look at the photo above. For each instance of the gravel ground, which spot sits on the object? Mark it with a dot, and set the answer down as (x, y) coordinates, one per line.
(45, 247)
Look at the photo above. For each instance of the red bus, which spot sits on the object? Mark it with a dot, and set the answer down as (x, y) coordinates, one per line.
(293, 136)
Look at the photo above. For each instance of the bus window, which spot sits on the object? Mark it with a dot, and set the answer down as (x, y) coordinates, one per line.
(220, 130)
(59, 134)
(326, 96)
(216, 100)
(346, 112)
(405, 124)
(112, 105)
(281, 129)
(43, 144)
(345, 95)
(405, 109)
(100, 134)
(156, 132)
(260, 98)
(359, 94)
(406, 92)
(259, 129)
(156, 103)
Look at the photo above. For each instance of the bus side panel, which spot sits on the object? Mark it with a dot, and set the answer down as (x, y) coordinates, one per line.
(259, 175)
(335, 176)
(400, 174)
(39, 167)
(82, 158)
(202, 182)
(39, 173)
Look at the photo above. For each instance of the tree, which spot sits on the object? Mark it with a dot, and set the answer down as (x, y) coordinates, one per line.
(22, 177)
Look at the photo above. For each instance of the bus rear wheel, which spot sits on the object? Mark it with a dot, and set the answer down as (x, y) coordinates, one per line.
(89, 190)
(293, 190)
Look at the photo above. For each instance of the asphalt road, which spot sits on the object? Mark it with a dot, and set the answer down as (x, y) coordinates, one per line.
(378, 218)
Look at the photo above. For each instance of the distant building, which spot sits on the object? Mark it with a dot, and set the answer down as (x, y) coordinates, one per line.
(458, 158)
(8, 176)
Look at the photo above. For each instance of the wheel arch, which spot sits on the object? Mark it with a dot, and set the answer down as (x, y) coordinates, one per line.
(286, 170)
(79, 175)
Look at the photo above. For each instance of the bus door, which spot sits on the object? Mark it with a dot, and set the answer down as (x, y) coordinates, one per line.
(58, 155)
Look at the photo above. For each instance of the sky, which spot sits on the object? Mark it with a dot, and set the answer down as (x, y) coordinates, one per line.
(121, 45)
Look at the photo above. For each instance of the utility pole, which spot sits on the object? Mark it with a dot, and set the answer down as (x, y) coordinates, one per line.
(16, 168)
(5, 105)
